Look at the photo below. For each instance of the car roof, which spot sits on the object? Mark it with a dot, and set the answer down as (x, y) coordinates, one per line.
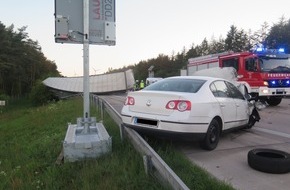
(196, 77)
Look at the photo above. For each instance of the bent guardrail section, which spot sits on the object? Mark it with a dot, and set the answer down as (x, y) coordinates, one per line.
(152, 161)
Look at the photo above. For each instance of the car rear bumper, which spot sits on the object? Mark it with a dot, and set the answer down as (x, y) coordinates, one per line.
(172, 135)
(181, 130)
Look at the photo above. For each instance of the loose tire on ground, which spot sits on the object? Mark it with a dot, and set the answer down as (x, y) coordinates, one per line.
(269, 161)
(212, 137)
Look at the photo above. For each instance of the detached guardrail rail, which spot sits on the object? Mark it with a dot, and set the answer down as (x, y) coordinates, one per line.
(153, 163)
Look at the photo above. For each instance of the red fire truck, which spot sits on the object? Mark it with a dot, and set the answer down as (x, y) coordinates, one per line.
(265, 72)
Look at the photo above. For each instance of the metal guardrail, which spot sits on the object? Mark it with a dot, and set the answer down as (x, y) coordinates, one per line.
(152, 161)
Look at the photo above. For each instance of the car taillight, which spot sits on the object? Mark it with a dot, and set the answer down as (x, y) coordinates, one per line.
(130, 101)
(180, 105)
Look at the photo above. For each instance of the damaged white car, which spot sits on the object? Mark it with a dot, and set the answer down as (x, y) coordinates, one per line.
(191, 107)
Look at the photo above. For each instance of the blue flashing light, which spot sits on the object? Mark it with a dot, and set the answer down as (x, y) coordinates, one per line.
(259, 49)
(279, 83)
(281, 50)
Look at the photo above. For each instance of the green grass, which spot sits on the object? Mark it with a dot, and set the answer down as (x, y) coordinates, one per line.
(31, 140)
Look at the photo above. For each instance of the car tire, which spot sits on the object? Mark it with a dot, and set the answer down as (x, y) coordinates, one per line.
(254, 117)
(274, 101)
(251, 122)
(212, 136)
(269, 161)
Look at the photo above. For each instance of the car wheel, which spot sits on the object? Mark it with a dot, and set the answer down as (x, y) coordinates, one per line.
(274, 101)
(251, 122)
(254, 117)
(269, 161)
(212, 136)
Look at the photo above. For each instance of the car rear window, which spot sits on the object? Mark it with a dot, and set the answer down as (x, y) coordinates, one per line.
(177, 85)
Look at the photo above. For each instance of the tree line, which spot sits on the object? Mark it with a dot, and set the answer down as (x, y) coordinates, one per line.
(22, 62)
(236, 40)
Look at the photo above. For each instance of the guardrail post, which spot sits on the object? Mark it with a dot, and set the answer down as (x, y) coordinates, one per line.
(95, 100)
(102, 110)
(122, 132)
(147, 164)
(99, 103)
(2, 104)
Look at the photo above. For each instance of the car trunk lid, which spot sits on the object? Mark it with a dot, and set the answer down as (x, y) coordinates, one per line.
(150, 102)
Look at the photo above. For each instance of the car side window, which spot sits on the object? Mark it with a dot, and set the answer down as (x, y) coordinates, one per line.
(234, 91)
(213, 90)
(220, 89)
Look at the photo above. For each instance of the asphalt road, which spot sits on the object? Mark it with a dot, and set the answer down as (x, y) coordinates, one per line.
(228, 162)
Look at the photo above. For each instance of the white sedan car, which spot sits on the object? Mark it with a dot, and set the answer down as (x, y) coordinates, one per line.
(191, 107)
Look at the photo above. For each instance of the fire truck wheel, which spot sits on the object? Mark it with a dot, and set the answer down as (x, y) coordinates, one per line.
(274, 101)
(269, 161)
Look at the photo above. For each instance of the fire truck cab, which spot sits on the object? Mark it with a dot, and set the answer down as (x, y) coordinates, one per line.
(265, 73)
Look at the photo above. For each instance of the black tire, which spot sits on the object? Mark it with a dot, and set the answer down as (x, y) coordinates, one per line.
(251, 122)
(212, 136)
(274, 101)
(269, 161)
(254, 117)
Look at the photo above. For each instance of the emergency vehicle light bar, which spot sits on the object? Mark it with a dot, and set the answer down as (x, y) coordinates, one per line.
(265, 50)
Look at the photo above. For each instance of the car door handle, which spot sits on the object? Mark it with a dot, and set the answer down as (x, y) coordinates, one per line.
(237, 105)
(222, 105)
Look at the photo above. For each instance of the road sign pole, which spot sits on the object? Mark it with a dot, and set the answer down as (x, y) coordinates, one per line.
(86, 78)
(85, 22)
(86, 139)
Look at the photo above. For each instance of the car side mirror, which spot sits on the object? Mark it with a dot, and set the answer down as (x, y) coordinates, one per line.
(248, 96)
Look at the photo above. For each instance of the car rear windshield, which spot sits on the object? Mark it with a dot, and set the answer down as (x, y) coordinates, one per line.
(177, 85)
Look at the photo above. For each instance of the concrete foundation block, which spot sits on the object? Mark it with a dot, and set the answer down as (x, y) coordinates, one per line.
(79, 146)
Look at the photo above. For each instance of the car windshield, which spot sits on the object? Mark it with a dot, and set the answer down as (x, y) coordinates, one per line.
(177, 85)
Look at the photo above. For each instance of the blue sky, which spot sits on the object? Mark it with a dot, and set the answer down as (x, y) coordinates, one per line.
(144, 28)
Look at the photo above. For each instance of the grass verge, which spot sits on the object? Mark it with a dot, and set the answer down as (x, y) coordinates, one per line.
(31, 140)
